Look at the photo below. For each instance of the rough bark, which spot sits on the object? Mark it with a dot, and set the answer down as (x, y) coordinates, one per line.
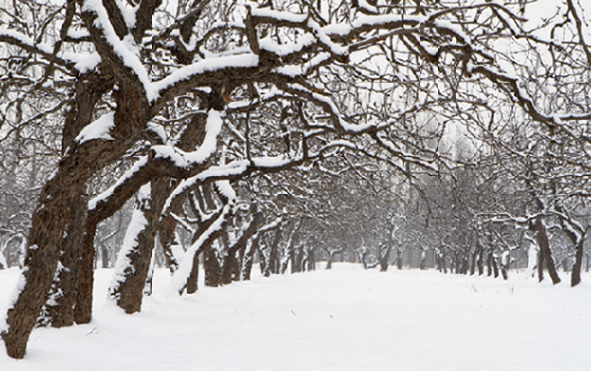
(55, 206)
(62, 298)
(48, 227)
(546, 253)
(83, 310)
(134, 260)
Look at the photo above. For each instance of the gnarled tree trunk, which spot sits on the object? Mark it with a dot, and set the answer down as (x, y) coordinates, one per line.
(50, 219)
(59, 309)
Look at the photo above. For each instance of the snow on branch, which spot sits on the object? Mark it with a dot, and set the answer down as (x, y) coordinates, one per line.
(125, 50)
(186, 73)
(16, 38)
(98, 129)
(179, 279)
(183, 159)
(104, 196)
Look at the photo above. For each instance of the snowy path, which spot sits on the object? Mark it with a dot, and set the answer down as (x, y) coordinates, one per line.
(344, 319)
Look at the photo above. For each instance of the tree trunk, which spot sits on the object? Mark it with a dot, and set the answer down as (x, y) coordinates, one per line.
(62, 298)
(479, 262)
(211, 265)
(193, 280)
(48, 226)
(203, 239)
(465, 263)
(134, 258)
(191, 138)
(297, 259)
(57, 200)
(264, 263)
(504, 272)
(575, 278)
(231, 263)
(422, 261)
(293, 258)
(104, 257)
(274, 264)
(249, 257)
(494, 265)
(544, 245)
(83, 310)
(540, 266)
(331, 254)
(311, 260)
(385, 257)
(237, 271)
(148, 285)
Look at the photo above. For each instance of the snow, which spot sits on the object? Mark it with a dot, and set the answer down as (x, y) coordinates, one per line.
(136, 226)
(226, 189)
(239, 60)
(282, 50)
(10, 297)
(279, 15)
(141, 162)
(128, 13)
(98, 129)
(181, 275)
(343, 319)
(125, 49)
(324, 38)
(181, 158)
(88, 63)
(299, 70)
(384, 19)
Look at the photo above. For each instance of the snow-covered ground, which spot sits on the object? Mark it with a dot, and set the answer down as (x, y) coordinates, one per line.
(343, 319)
